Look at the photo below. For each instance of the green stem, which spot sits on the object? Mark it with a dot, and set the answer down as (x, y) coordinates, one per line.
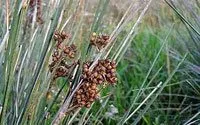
(8, 65)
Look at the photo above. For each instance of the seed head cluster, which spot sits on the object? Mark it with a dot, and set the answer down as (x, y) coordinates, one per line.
(59, 37)
(103, 73)
(62, 69)
(100, 41)
(86, 95)
(93, 78)
(60, 54)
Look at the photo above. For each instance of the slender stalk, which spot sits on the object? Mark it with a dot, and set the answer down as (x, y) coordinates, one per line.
(183, 18)
(132, 30)
(42, 58)
(7, 13)
(152, 92)
(8, 65)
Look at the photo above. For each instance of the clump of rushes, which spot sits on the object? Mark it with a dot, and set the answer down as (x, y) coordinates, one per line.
(99, 41)
(104, 73)
(60, 55)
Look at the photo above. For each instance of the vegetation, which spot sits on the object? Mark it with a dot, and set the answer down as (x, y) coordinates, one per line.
(99, 62)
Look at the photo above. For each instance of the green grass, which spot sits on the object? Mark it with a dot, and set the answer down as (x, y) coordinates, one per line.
(133, 70)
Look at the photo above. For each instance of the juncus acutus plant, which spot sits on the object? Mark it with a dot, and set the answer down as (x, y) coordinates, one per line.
(57, 56)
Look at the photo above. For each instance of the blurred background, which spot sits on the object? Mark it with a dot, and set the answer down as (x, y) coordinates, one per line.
(178, 102)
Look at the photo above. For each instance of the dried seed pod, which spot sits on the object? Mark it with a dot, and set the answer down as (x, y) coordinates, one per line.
(66, 50)
(100, 81)
(71, 55)
(100, 41)
(95, 80)
(60, 54)
(91, 100)
(109, 67)
(89, 89)
(79, 100)
(73, 47)
(87, 92)
(78, 96)
(80, 90)
(113, 70)
(88, 105)
(70, 51)
(100, 76)
(63, 35)
(95, 74)
(87, 84)
(83, 102)
(93, 87)
(104, 72)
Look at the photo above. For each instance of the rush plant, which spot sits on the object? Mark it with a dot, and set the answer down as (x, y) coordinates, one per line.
(58, 58)
(36, 55)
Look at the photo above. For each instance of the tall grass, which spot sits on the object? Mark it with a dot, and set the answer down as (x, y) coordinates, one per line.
(188, 12)
(26, 47)
(175, 103)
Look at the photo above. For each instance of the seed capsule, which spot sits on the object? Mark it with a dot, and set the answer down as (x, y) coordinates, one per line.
(83, 102)
(66, 50)
(95, 74)
(80, 90)
(78, 100)
(108, 75)
(93, 87)
(82, 96)
(88, 105)
(95, 80)
(91, 100)
(78, 96)
(87, 84)
(100, 81)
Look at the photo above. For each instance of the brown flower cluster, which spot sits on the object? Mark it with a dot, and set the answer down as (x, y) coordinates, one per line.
(100, 41)
(59, 55)
(70, 50)
(62, 69)
(86, 95)
(104, 72)
(59, 37)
